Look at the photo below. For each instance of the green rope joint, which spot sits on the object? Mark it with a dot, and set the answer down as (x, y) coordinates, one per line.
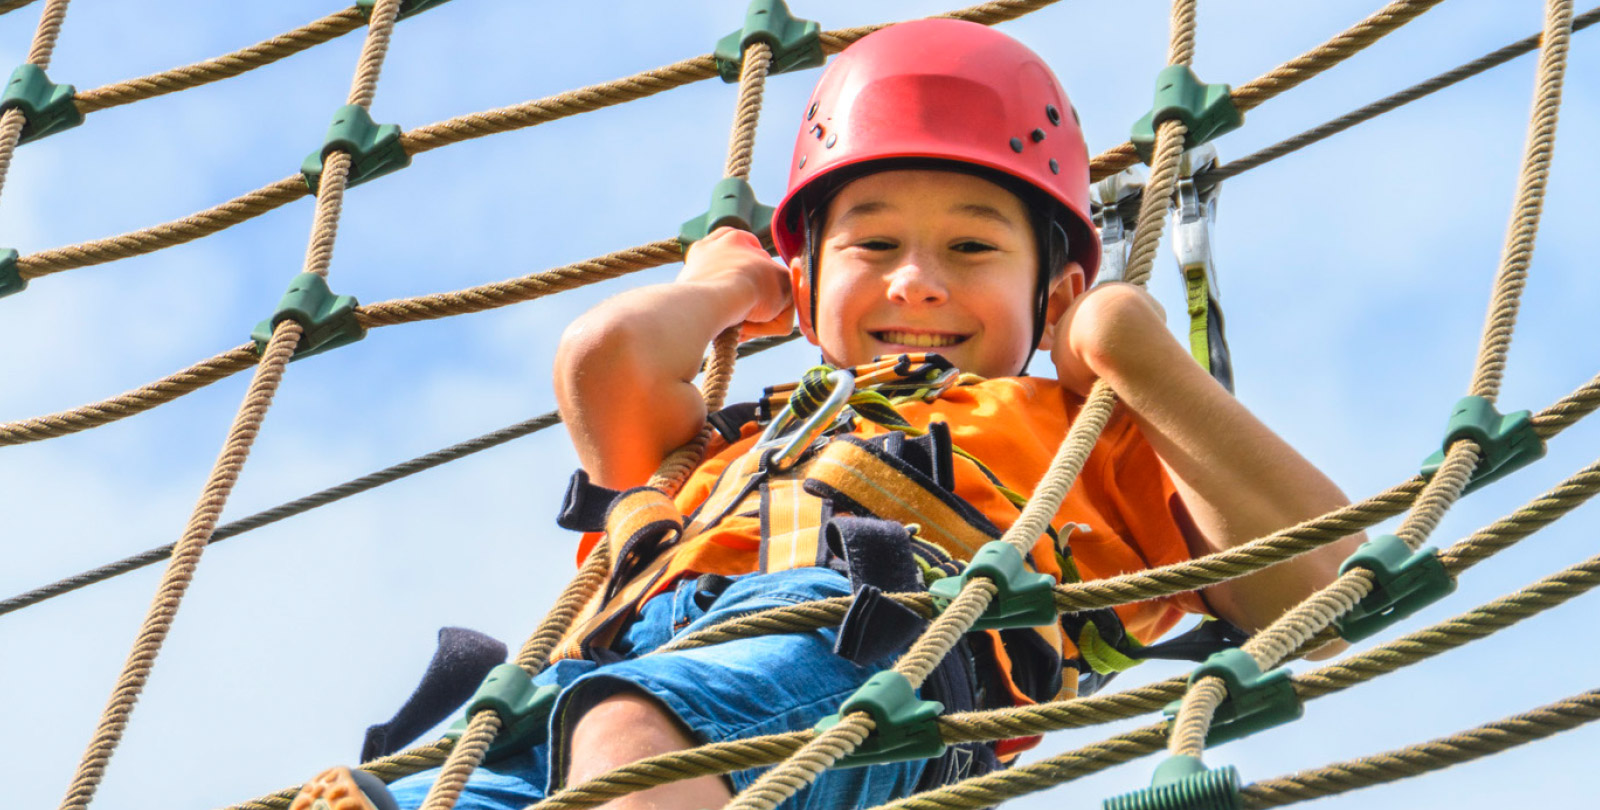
(906, 727)
(1025, 598)
(524, 709)
(11, 280)
(1206, 109)
(407, 7)
(47, 107)
(329, 320)
(1406, 582)
(1255, 701)
(1506, 443)
(1184, 783)
(374, 150)
(733, 202)
(796, 44)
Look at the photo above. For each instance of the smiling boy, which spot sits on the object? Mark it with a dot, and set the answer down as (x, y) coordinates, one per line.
(937, 204)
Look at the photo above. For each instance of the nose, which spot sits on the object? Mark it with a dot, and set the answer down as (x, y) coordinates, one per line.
(917, 281)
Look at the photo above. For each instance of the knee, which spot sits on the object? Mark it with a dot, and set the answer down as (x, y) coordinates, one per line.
(623, 728)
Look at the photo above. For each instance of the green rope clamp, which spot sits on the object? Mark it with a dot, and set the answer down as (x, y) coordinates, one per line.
(1206, 109)
(906, 727)
(329, 320)
(524, 709)
(1184, 783)
(1406, 582)
(46, 107)
(407, 7)
(796, 44)
(11, 280)
(733, 202)
(1025, 598)
(1255, 702)
(1506, 443)
(374, 150)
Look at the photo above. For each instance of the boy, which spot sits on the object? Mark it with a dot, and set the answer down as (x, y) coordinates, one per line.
(937, 203)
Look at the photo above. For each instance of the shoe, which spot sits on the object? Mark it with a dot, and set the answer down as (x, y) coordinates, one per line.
(344, 788)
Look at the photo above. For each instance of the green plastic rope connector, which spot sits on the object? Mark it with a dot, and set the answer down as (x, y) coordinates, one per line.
(407, 7)
(524, 709)
(1184, 783)
(1506, 443)
(1407, 581)
(329, 320)
(1206, 109)
(1255, 702)
(796, 44)
(733, 202)
(1025, 598)
(11, 280)
(906, 726)
(47, 107)
(375, 150)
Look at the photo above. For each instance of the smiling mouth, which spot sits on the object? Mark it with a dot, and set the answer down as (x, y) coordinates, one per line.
(920, 340)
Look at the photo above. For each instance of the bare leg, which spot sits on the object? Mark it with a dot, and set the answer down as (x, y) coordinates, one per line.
(628, 727)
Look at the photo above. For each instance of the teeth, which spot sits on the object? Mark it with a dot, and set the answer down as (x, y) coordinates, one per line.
(923, 341)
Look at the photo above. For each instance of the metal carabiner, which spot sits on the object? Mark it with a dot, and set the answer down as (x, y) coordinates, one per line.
(1194, 215)
(844, 386)
(1116, 230)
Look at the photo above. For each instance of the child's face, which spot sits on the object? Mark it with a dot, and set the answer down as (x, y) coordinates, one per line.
(925, 261)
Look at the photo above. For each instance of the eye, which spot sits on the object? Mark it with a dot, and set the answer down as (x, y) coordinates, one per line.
(876, 244)
(972, 246)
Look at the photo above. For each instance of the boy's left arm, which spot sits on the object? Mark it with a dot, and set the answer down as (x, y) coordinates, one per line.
(1238, 480)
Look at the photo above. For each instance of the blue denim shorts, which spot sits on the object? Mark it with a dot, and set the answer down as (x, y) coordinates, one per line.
(743, 688)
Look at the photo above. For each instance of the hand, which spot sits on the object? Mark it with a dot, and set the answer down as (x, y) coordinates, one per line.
(731, 261)
(1098, 326)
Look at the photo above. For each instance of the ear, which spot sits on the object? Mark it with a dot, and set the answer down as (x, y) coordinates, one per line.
(801, 288)
(1063, 291)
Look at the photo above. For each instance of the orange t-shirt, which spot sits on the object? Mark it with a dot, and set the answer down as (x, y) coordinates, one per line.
(1123, 500)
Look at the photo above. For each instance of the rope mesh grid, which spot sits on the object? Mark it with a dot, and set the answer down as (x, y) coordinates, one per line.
(1516, 251)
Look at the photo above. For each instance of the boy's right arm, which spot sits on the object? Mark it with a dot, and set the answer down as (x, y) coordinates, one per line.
(624, 371)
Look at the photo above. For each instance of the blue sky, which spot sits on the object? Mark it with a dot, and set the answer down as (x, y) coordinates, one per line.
(1355, 276)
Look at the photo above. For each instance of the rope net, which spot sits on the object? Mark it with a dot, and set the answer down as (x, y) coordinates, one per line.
(799, 756)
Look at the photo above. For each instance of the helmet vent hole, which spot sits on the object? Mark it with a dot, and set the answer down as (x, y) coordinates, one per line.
(1016, 145)
(1055, 168)
(833, 138)
(812, 113)
(1053, 114)
(1037, 135)
(802, 163)
(817, 131)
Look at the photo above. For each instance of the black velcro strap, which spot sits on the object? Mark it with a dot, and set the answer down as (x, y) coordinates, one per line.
(875, 627)
(875, 552)
(585, 505)
(462, 660)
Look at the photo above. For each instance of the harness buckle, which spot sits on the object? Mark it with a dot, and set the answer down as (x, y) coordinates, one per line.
(832, 412)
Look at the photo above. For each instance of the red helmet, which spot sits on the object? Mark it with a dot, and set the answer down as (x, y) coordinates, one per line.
(935, 91)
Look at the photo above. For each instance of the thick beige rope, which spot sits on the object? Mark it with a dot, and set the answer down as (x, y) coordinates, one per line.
(180, 571)
(44, 43)
(227, 66)
(1524, 225)
(1291, 73)
(386, 313)
(133, 402)
(177, 232)
(1415, 760)
(1420, 645)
